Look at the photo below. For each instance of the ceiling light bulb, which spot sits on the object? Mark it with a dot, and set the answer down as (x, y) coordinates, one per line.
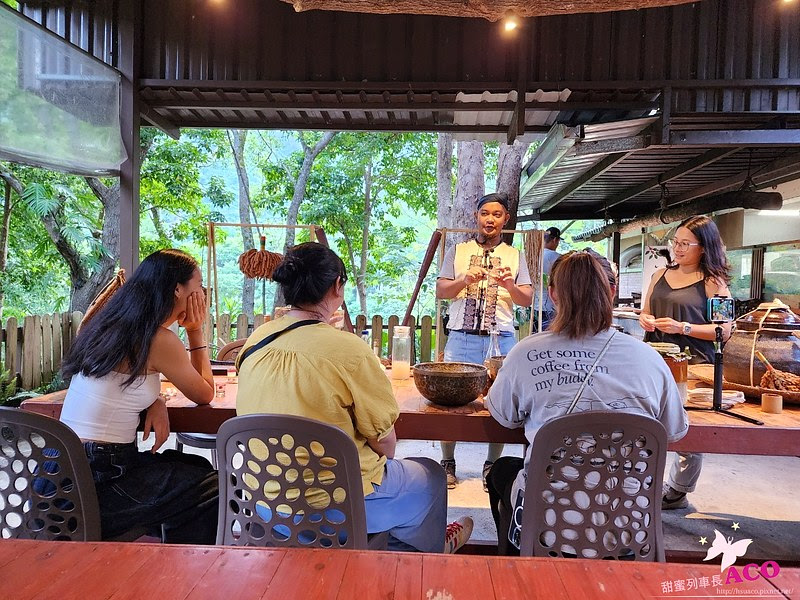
(510, 23)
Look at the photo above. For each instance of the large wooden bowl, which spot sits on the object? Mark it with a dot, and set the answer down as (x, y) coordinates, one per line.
(450, 383)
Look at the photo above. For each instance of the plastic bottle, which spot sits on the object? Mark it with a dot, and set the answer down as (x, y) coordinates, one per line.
(492, 351)
(365, 336)
(401, 352)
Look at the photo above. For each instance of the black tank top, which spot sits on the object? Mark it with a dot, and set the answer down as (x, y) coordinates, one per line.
(685, 304)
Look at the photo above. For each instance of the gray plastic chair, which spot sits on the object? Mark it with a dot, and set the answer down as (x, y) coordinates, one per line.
(290, 481)
(46, 486)
(594, 488)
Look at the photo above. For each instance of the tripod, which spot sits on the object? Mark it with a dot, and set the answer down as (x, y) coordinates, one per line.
(716, 405)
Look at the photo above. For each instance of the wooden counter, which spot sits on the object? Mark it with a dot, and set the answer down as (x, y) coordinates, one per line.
(65, 570)
(421, 420)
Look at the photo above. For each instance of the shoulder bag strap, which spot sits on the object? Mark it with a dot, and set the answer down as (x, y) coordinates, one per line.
(270, 338)
(574, 402)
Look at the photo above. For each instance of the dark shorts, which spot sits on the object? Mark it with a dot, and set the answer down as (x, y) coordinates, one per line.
(170, 494)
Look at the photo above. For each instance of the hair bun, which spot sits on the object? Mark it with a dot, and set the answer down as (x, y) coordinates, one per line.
(286, 270)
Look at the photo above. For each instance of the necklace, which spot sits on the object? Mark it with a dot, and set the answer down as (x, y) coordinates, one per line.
(314, 314)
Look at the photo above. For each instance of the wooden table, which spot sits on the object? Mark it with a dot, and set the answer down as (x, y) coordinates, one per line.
(80, 570)
(421, 420)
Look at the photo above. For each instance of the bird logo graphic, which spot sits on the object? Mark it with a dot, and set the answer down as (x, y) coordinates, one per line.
(729, 549)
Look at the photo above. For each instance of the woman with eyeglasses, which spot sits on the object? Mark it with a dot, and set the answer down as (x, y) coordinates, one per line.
(674, 311)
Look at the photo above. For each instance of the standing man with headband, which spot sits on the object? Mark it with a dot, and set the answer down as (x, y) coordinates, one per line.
(484, 277)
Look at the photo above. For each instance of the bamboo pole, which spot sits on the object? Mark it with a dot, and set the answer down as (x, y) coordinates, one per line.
(265, 225)
(210, 227)
(423, 272)
(437, 339)
(216, 283)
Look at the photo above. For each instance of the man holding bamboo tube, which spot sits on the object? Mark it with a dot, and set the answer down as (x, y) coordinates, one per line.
(484, 277)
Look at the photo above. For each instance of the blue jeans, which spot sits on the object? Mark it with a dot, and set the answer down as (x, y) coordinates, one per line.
(463, 347)
(411, 504)
(174, 495)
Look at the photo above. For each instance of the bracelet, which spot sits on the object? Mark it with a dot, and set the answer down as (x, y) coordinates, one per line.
(196, 348)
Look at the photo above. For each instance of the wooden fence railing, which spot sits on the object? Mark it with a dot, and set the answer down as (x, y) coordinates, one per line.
(32, 348)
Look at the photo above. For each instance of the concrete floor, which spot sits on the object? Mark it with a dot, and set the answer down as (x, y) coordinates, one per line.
(758, 492)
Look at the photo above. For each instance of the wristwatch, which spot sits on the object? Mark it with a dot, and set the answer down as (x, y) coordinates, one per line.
(687, 328)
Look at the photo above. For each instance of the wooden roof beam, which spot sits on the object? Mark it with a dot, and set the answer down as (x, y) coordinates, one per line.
(692, 165)
(740, 199)
(601, 167)
(159, 122)
(780, 169)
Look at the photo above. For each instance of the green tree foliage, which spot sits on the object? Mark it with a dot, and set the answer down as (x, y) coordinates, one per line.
(369, 191)
(172, 206)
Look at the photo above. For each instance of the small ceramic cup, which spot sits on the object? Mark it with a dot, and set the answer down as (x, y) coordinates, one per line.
(772, 403)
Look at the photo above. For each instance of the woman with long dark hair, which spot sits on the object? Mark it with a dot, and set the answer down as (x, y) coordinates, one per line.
(316, 371)
(114, 366)
(674, 311)
(544, 374)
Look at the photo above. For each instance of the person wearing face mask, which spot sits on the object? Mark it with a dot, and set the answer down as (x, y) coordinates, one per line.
(313, 370)
(484, 277)
(674, 311)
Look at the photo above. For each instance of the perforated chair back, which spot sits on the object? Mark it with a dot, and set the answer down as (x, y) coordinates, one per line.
(289, 481)
(46, 486)
(594, 488)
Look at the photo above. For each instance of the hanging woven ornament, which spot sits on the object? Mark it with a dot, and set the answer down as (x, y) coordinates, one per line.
(104, 296)
(259, 264)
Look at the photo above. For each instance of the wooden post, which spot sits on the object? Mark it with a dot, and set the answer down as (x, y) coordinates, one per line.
(47, 349)
(377, 334)
(242, 327)
(208, 332)
(616, 243)
(394, 320)
(361, 324)
(12, 352)
(425, 338)
(57, 350)
(224, 330)
(128, 63)
(75, 322)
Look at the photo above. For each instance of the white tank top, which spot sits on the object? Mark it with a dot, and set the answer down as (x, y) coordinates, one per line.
(100, 409)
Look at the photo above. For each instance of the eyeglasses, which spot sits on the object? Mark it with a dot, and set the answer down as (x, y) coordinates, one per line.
(681, 245)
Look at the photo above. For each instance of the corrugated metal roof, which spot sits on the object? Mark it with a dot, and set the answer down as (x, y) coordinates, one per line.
(574, 164)
(533, 119)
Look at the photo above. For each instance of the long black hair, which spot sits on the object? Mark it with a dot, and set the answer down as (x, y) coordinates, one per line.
(307, 272)
(124, 328)
(713, 261)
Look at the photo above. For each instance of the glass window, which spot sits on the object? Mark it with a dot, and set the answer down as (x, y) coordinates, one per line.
(741, 272)
(782, 274)
(59, 108)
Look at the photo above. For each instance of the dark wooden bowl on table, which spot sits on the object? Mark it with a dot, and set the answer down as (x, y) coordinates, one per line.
(450, 383)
